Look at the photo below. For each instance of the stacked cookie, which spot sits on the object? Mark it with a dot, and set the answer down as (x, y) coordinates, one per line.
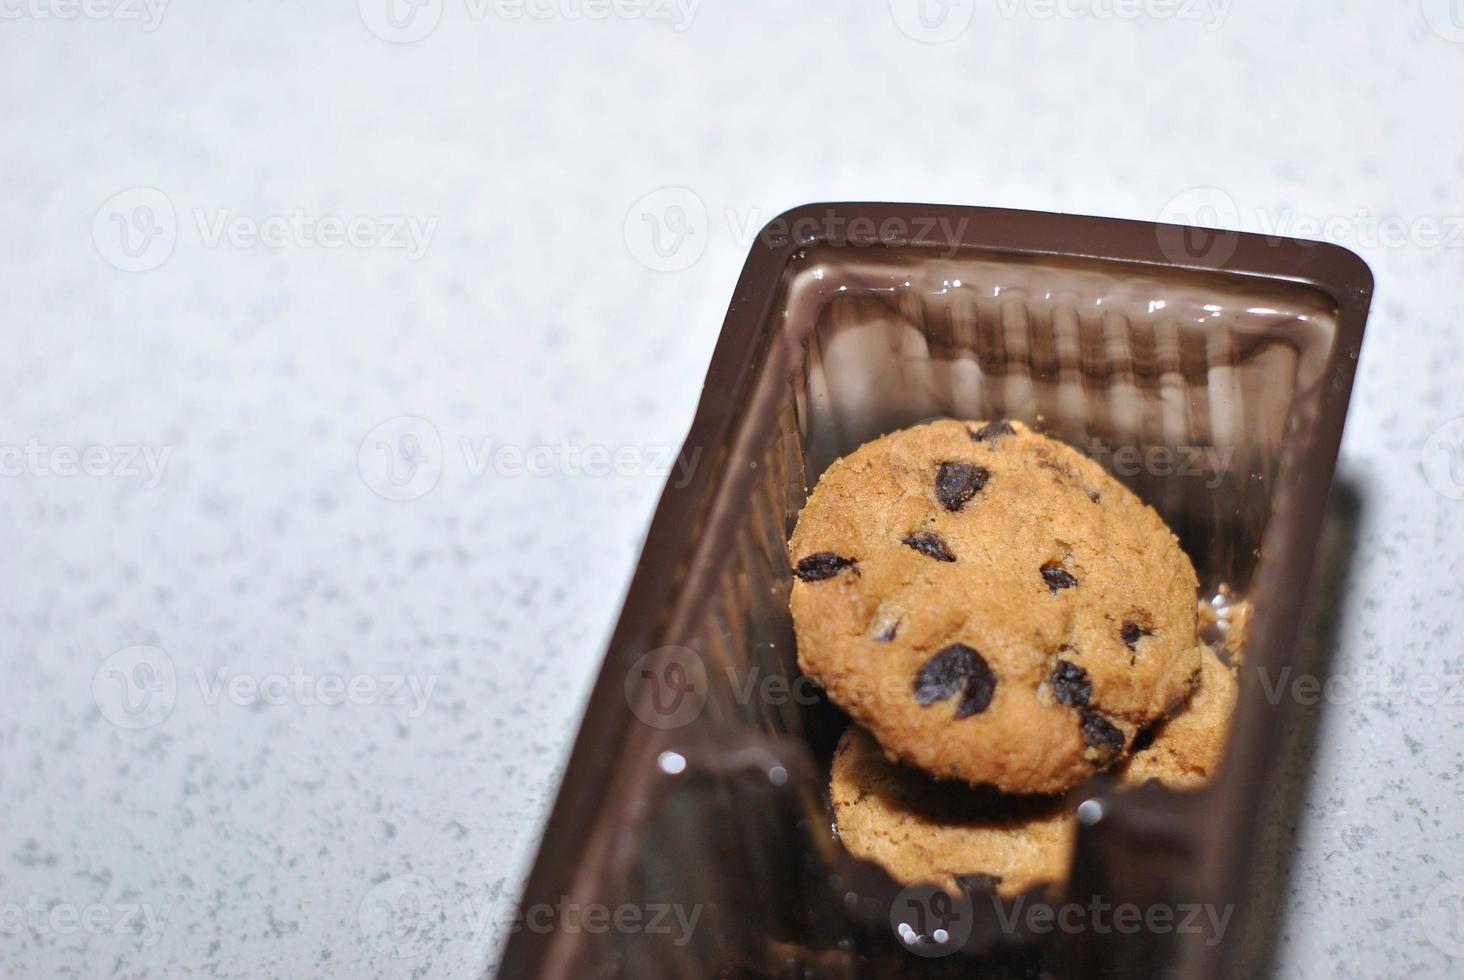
(1002, 620)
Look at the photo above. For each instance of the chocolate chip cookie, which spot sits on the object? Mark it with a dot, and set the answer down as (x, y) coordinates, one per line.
(991, 605)
(1185, 751)
(955, 835)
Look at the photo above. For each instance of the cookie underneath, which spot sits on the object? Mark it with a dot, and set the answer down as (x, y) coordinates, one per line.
(921, 830)
(1187, 749)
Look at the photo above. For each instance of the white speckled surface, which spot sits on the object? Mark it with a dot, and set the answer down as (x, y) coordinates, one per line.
(254, 832)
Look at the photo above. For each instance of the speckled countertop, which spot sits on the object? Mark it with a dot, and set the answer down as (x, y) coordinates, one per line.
(268, 265)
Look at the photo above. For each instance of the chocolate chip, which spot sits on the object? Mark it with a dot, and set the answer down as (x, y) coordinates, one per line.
(1057, 577)
(1094, 496)
(978, 882)
(992, 430)
(1133, 633)
(954, 670)
(944, 673)
(930, 545)
(956, 483)
(1070, 684)
(980, 687)
(825, 564)
(1101, 734)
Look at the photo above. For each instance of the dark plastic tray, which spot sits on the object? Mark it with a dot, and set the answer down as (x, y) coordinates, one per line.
(698, 782)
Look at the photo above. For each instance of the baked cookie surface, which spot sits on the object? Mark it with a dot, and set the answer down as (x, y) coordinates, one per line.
(991, 604)
(952, 834)
(1187, 749)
